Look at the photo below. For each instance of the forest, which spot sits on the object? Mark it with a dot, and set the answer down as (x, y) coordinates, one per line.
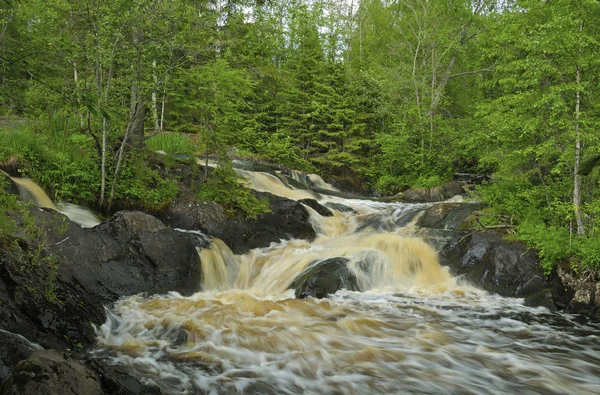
(385, 94)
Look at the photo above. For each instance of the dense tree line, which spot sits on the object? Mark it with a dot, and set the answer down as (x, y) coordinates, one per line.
(395, 93)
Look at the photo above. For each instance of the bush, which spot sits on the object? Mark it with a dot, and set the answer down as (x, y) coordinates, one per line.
(389, 185)
(139, 182)
(428, 182)
(552, 243)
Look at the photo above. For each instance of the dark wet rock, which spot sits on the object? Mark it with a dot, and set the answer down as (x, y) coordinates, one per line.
(541, 298)
(323, 278)
(53, 295)
(48, 372)
(389, 219)
(448, 216)
(339, 207)
(322, 210)
(287, 219)
(350, 183)
(13, 349)
(508, 268)
(585, 292)
(7, 184)
(120, 380)
(208, 217)
(128, 254)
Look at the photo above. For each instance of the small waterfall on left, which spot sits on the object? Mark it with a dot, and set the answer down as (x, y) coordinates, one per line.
(30, 191)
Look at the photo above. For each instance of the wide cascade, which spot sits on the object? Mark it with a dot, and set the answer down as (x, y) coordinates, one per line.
(413, 328)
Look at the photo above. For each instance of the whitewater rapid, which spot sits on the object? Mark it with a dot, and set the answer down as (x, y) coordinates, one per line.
(413, 329)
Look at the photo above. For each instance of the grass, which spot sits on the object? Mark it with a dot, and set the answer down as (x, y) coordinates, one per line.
(173, 143)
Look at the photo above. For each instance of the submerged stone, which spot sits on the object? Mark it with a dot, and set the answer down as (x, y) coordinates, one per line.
(324, 278)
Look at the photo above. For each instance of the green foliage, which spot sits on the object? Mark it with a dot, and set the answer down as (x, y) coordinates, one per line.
(142, 184)
(224, 187)
(389, 185)
(280, 149)
(9, 206)
(552, 243)
(59, 159)
(428, 182)
(588, 253)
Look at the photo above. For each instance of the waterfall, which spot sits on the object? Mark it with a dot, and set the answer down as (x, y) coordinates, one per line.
(414, 328)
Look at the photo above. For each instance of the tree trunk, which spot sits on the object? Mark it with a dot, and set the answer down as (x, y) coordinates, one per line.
(578, 146)
(157, 125)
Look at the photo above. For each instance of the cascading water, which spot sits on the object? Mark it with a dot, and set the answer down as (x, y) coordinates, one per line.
(414, 329)
(30, 191)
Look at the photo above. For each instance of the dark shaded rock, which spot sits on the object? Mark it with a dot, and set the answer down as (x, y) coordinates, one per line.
(504, 267)
(128, 224)
(119, 380)
(349, 183)
(287, 219)
(83, 270)
(339, 207)
(322, 210)
(452, 189)
(323, 278)
(128, 254)
(585, 293)
(7, 184)
(390, 219)
(209, 217)
(48, 372)
(448, 216)
(13, 349)
(541, 298)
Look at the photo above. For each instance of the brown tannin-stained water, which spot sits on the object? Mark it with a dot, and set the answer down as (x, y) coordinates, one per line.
(414, 329)
(30, 191)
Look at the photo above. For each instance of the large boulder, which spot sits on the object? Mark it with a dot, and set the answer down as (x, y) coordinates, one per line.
(288, 219)
(323, 278)
(507, 268)
(48, 372)
(53, 295)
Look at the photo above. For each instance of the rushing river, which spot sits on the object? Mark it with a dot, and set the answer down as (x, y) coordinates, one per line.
(415, 329)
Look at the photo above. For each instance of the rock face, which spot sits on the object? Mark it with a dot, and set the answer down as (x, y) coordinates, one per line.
(312, 203)
(13, 348)
(53, 295)
(287, 219)
(507, 268)
(324, 278)
(585, 292)
(48, 372)
(435, 194)
(447, 216)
